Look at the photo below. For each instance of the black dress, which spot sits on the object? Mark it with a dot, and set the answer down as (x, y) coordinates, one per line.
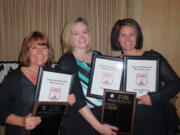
(152, 120)
(17, 97)
(74, 123)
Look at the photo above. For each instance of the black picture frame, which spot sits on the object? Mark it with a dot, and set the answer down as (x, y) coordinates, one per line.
(52, 86)
(51, 112)
(106, 73)
(141, 74)
(49, 78)
(119, 109)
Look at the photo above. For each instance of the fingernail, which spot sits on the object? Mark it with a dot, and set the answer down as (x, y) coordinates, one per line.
(117, 128)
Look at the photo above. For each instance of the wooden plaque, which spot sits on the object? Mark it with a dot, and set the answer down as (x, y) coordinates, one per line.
(118, 110)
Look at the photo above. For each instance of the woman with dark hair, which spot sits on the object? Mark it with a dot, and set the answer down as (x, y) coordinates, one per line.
(18, 88)
(115, 44)
(151, 109)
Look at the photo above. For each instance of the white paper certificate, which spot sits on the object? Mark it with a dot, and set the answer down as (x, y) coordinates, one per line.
(141, 76)
(107, 74)
(54, 87)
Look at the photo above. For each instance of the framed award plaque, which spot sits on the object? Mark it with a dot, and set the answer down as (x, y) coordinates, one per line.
(52, 91)
(106, 73)
(141, 74)
(52, 86)
(119, 109)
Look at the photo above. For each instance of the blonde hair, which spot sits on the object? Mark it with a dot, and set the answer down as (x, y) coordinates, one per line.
(34, 36)
(67, 40)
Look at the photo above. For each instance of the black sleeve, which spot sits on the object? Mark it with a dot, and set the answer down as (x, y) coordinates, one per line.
(7, 95)
(67, 64)
(169, 82)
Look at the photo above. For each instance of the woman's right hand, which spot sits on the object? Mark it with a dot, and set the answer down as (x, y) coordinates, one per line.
(104, 129)
(108, 129)
(30, 122)
(145, 100)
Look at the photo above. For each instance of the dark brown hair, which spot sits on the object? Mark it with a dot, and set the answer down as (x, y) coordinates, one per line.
(115, 45)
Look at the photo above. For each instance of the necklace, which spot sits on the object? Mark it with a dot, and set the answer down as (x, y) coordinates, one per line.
(85, 57)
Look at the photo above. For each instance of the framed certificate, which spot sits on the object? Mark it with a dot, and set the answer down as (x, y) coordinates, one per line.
(51, 92)
(51, 100)
(119, 109)
(52, 86)
(141, 74)
(106, 73)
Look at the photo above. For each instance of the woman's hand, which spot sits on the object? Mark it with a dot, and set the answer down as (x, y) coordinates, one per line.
(146, 100)
(108, 129)
(71, 99)
(30, 122)
(104, 129)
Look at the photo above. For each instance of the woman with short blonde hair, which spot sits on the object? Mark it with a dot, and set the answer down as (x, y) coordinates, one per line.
(67, 40)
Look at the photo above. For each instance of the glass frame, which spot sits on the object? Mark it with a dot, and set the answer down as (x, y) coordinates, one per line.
(119, 110)
(52, 86)
(106, 73)
(141, 74)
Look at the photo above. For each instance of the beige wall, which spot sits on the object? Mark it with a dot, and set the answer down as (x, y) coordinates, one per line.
(161, 27)
(160, 21)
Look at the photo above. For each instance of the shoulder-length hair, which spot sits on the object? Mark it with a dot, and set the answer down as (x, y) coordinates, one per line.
(34, 36)
(67, 40)
(115, 45)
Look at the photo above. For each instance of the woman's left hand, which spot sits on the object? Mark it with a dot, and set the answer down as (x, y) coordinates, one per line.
(146, 100)
(71, 99)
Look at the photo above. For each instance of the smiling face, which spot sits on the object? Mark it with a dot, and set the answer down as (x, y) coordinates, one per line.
(127, 38)
(38, 53)
(80, 36)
